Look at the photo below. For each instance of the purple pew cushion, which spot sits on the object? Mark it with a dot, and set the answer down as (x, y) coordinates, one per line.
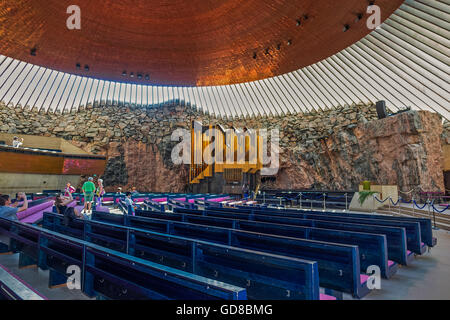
(31, 211)
(102, 209)
(326, 297)
(363, 278)
(34, 217)
(193, 200)
(219, 199)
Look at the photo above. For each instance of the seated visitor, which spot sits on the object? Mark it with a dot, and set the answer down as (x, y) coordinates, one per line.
(129, 203)
(17, 143)
(9, 203)
(69, 213)
(119, 191)
(134, 191)
(10, 212)
(88, 192)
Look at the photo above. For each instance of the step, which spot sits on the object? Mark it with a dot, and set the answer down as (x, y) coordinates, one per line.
(439, 224)
(420, 214)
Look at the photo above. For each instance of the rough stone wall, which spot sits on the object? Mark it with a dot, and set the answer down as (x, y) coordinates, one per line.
(446, 133)
(334, 149)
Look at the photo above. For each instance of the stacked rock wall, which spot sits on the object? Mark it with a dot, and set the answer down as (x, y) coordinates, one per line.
(334, 149)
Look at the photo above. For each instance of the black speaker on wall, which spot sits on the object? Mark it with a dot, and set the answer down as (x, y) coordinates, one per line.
(381, 109)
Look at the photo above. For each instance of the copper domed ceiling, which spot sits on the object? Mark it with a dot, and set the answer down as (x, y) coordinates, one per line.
(179, 42)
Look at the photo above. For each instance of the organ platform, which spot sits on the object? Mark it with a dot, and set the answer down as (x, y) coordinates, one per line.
(222, 160)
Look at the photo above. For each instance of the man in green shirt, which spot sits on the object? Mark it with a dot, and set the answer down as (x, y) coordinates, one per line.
(88, 191)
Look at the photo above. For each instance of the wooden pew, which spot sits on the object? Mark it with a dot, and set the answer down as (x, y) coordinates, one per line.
(395, 236)
(425, 224)
(413, 234)
(265, 275)
(335, 271)
(372, 247)
(111, 274)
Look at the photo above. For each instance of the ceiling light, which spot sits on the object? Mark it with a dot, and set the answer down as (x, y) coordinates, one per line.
(86, 68)
(147, 77)
(346, 27)
(124, 73)
(33, 51)
(78, 66)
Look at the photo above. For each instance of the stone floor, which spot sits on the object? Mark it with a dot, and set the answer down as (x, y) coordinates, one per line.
(426, 278)
(38, 279)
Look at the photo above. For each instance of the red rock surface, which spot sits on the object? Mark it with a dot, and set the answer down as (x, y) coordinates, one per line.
(403, 150)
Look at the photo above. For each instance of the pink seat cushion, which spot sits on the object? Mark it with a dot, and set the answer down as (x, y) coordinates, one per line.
(363, 278)
(159, 199)
(219, 199)
(408, 252)
(34, 217)
(193, 200)
(102, 209)
(31, 211)
(390, 263)
(72, 204)
(108, 199)
(180, 199)
(326, 297)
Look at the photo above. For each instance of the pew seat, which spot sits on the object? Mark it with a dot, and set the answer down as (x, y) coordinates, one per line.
(34, 214)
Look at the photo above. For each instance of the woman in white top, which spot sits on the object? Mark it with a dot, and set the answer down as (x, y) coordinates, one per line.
(17, 143)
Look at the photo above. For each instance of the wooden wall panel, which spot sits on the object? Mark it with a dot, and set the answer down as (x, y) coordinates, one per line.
(25, 161)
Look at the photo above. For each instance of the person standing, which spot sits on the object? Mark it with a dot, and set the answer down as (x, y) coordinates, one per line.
(88, 192)
(130, 204)
(100, 191)
(245, 191)
(69, 190)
